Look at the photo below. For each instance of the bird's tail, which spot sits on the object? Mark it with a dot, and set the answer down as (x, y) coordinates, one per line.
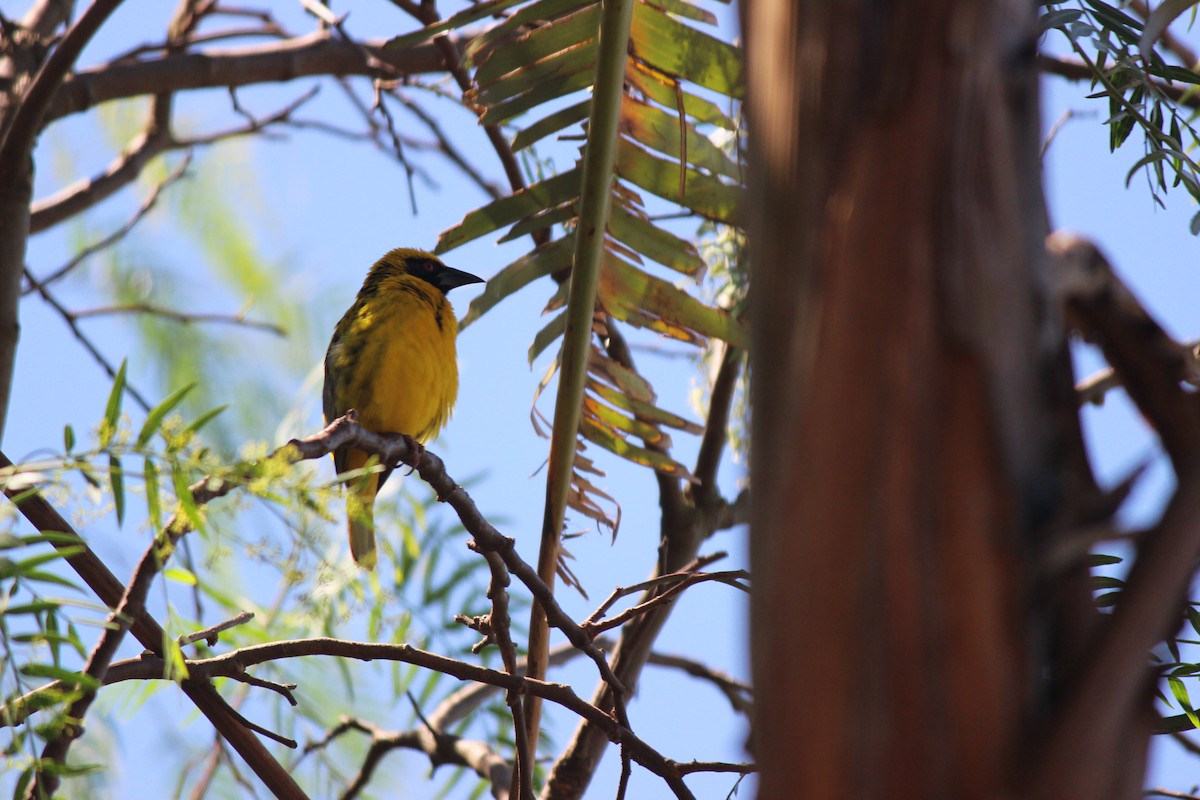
(360, 508)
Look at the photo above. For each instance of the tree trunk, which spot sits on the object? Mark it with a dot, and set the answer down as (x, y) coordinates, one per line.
(908, 387)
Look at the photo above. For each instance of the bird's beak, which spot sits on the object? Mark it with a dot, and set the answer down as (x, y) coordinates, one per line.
(450, 278)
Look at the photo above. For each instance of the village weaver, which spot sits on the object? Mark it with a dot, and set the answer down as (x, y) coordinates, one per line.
(392, 359)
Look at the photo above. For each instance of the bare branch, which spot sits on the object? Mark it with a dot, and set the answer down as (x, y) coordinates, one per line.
(317, 54)
(209, 635)
(16, 141)
(668, 594)
(155, 140)
(738, 693)
(92, 349)
(182, 317)
(1076, 70)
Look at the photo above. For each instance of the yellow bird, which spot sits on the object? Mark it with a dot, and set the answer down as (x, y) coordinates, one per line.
(392, 359)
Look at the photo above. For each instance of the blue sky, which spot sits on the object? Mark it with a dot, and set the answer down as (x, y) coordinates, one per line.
(324, 209)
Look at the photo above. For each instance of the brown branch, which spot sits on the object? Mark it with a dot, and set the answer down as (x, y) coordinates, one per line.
(1149, 363)
(738, 693)
(668, 595)
(155, 140)
(1115, 676)
(182, 317)
(662, 580)
(150, 634)
(396, 448)
(314, 55)
(712, 445)
(1075, 70)
(234, 663)
(209, 635)
(16, 141)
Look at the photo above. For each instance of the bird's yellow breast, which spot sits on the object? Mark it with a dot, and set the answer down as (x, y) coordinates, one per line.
(401, 342)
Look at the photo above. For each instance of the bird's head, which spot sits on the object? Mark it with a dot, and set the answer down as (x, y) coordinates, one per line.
(423, 265)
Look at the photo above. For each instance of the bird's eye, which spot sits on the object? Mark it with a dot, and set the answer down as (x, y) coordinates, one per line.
(428, 266)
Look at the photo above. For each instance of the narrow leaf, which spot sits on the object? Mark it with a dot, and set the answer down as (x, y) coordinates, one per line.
(643, 410)
(659, 462)
(159, 412)
(116, 478)
(153, 498)
(541, 93)
(204, 419)
(671, 135)
(529, 267)
(651, 241)
(507, 210)
(536, 14)
(543, 41)
(703, 194)
(677, 49)
(632, 294)
(453, 22)
(554, 123)
(112, 411)
(549, 333)
(667, 91)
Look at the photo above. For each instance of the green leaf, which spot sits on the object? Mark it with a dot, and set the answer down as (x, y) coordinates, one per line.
(159, 412)
(541, 221)
(619, 423)
(453, 22)
(671, 135)
(549, 333)
(554, 123)
(204, 419)
(647, 239)
(541, 262)
(630, 294)
(677, 49)
(187, 503)
(643, 410)
(35, 607)
(1058, 19)
(541, 93)
(682, 8)
(507, 210)
(28, 566)
(502, 35)
(667, 91)
(541, 42)
(116, 478)
(68, 438)
(703, 194)
(112, 412)
(657, 461)
(629, 382)
(153, 498)
(69, 677)
(180, 575)
(526, 79)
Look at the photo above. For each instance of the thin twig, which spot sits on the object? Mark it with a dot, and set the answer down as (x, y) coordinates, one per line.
(92, 349)
(209, 634)
(182, 317)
